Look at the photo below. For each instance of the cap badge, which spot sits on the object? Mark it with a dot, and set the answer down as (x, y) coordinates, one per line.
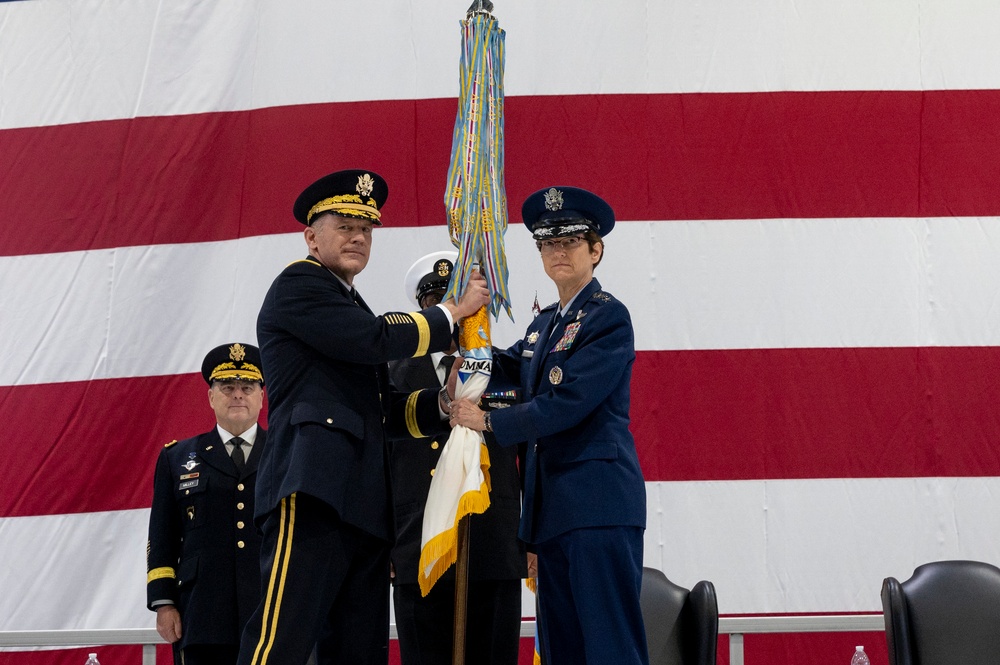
(442, 268)
(555, 375)
(237, 352)
(365, 184)
(553, 199)
(533, 337)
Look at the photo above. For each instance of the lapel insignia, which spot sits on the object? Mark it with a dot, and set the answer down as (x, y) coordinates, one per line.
(207, 448)
(555, 375)
(190, 464)
(569, 334)
(533, 337)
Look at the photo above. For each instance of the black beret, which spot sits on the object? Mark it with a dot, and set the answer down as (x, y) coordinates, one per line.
(352, 193)
(233, 361)
(555, 212)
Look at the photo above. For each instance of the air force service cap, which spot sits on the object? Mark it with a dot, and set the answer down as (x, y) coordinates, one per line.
(234, 361)
(352, 193)
(428, 273)
(556, 212)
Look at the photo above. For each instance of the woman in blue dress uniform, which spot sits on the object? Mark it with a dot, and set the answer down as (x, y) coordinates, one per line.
(584, 510)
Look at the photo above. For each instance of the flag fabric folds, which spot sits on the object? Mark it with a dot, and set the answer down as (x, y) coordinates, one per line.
(476, 202)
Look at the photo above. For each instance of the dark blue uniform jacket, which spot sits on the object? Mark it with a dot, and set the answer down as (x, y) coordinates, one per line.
(203, 552)
(582, 468)
(330, 407)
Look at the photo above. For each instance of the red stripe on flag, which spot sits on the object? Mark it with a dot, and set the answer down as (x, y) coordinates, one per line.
(696, 415)
(220, 176)
(817, 413)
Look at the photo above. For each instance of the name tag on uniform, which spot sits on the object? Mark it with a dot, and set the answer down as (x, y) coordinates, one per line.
(188, 484)
(527, 353)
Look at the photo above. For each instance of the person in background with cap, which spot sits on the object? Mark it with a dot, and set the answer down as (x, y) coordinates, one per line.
(203, 552)
(323, 496)
(425, 625)
(584, 508)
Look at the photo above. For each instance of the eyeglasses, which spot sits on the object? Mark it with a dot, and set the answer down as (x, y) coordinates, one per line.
(552, 245)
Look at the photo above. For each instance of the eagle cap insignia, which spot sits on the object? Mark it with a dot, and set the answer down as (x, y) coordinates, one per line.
(237, 352)
(365, 184)
(553, 199)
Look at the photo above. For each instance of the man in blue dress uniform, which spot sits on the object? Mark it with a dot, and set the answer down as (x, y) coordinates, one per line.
(323, 496)
(203, 552)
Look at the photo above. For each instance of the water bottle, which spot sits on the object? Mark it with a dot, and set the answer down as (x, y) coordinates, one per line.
(92, 659)
(860, 657)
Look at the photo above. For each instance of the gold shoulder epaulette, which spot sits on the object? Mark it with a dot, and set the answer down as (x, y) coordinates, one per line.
(312, 261)
(167, 445)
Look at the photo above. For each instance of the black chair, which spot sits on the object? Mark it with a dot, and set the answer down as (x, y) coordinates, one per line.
(682, 627)
(947, 612)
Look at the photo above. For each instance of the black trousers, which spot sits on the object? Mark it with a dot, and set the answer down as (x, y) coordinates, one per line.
(325, 585)
(206, 654)
(426, 625)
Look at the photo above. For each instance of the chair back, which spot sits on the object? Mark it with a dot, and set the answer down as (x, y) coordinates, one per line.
(947, 612)
(682, 627)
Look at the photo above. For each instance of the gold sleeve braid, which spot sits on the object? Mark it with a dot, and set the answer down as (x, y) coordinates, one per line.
(411, 416)
(423, 332)
(160, 573)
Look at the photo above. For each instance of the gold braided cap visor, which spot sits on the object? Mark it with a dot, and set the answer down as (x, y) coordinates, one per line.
(226, 372)
(350, 205)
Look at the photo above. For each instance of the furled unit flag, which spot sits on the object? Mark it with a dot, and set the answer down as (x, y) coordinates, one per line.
(477, 207)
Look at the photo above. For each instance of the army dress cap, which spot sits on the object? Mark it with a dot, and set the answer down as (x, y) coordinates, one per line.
(352, 193)
(234, 361)
(428, 273)
(557, 212)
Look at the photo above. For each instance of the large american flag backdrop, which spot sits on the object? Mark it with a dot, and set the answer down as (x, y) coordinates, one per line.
(808, 197)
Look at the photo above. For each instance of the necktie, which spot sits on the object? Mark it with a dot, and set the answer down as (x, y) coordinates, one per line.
(238, 457)
(446, 362)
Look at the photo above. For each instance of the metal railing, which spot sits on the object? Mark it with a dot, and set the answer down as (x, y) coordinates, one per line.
(735, 627)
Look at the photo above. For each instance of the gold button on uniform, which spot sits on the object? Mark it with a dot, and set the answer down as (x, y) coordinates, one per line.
(240, 487)
(329, 421)
(239, 525)
(239, 506)
(240, 544)
(432, 471)
(434, 446)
